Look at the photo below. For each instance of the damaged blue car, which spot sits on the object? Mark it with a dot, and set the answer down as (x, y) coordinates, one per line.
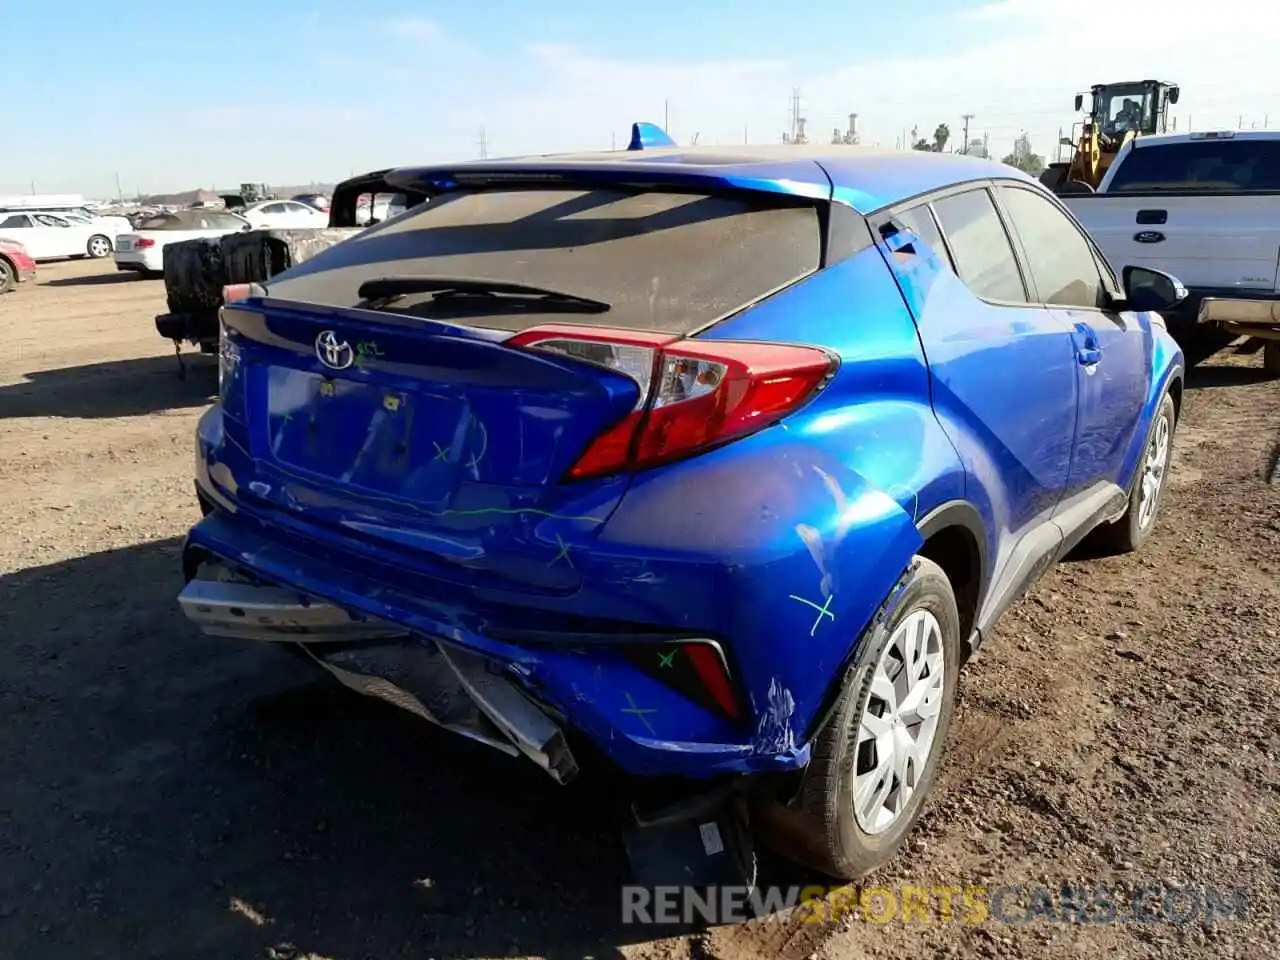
(715, 462)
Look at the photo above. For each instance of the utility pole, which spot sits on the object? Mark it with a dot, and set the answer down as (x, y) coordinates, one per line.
(966, 117)
(119, 190)
(666, 117)
(613, 141)
(744, 134)
(484, 145)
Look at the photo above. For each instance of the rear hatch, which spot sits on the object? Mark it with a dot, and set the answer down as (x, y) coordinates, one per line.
(451, 411)
(1206, 210)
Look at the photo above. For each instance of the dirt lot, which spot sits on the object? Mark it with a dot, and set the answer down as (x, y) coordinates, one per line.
(166, 795)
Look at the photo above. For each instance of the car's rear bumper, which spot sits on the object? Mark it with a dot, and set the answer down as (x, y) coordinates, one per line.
(386, 643)
(442, 682)
(152, 262)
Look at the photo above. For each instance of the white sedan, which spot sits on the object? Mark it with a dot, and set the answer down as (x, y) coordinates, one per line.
(283, 215)
(48, 236)
(143, 250)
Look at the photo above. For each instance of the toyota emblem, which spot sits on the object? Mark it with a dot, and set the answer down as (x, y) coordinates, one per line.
(334, 353)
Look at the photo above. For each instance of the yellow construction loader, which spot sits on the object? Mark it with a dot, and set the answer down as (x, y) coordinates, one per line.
(1117, 112)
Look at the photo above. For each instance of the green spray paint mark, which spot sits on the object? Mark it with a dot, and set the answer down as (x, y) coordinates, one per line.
(823, 611)
(367, 350)
(641, 712)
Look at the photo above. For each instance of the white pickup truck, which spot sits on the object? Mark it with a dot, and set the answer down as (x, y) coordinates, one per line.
(1204, 207)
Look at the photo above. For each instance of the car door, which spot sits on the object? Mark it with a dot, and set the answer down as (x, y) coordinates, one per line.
(299, 215)
(20, 227)
(273, 216)
(1113, 348)
(64, 238)
(1003, 370)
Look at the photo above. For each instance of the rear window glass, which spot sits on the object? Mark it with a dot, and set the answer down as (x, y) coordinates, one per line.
(663, 261)
(983, 256)
(1229, 165)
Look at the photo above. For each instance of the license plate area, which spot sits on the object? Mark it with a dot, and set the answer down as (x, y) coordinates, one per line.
(373, 436)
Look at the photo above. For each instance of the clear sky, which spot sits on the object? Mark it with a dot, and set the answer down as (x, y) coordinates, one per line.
(172, 96)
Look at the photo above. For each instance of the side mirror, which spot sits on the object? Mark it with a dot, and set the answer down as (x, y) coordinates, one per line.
(1147, 289)
(1079, 102)
(1173, 94)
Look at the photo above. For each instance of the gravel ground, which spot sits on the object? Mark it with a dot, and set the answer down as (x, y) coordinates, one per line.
(169, 795)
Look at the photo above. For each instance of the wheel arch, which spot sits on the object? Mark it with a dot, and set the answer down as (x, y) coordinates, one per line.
(955, 539)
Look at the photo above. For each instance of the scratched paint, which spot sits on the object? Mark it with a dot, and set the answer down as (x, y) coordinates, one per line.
(774, 733)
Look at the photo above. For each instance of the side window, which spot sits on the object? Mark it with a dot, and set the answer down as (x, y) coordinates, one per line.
(274, 208)
(16, 221)
(984, 257)
(920, 222)
(1059, 259)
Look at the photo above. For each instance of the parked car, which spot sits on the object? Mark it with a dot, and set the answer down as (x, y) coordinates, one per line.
(719, 460)
(16, 265)
(107, 225)
(284, 215)
(143, 249)
(1207, 205)
(49, 236)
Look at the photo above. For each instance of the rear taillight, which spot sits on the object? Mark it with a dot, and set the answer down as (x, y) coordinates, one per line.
(143, 242)
(695, 668)
(236, 292)
(694, 394)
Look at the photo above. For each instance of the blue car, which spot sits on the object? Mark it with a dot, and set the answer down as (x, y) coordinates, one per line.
(716, 463)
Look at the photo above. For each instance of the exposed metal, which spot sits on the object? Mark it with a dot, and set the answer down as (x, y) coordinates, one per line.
(431, 678)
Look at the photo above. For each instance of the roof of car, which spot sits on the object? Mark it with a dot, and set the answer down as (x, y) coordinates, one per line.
(866, 178)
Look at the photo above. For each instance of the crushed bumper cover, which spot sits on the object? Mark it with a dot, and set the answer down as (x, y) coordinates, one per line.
(440, 682)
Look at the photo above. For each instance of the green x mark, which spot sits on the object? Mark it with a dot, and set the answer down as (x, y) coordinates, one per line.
(641, 712)
(563, 553)
(442, 453)
(666, 660)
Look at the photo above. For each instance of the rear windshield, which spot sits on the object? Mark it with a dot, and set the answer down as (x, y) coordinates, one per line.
(1227, 166)
(191, 220)
(665, 261)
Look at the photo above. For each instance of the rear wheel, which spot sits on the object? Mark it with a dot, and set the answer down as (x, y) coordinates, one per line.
(8, 278)
(875, 761)
(98, 246)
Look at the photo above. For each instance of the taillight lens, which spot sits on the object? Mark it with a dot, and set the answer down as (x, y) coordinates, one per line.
(693, 394)
(695, 668)
(143, 242)
(236, 292)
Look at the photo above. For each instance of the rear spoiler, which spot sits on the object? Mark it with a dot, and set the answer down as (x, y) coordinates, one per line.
(342, 209)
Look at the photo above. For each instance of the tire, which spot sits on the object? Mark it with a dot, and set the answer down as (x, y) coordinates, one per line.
(8, 278)
(98, 246)
(1271, 357)
(845, 844)
(1132, 530)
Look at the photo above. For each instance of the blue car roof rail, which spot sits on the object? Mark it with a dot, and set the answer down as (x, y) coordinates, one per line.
(649, 136)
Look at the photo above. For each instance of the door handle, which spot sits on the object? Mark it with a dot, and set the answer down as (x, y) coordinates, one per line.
(1090, 351)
